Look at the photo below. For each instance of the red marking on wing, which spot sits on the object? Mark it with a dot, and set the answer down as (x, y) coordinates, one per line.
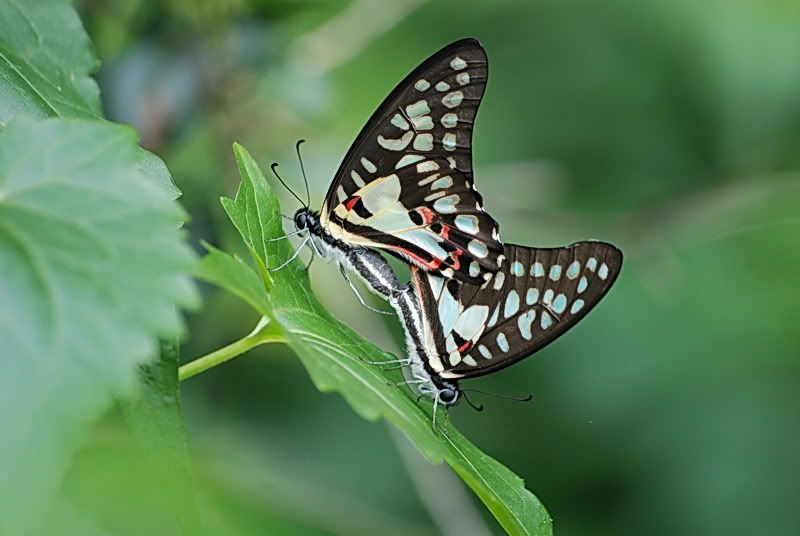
(427, 215)
(431, 265)
(350, 202)
(464, 347)
(445, 232)
(456, 263)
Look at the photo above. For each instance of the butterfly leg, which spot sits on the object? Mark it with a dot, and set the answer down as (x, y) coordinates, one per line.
(402, 362)
(358, 295)
(416, 381)
(313, 256)
(315, 247)
(388, 369)
(446, 421)
(293, 257)
(409, 382)
(446, 411)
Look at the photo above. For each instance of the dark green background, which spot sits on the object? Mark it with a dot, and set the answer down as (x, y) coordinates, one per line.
(669, 128)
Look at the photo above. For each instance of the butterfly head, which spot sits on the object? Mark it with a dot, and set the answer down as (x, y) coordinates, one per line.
(441, 392)
(305, 218)
(448, 394)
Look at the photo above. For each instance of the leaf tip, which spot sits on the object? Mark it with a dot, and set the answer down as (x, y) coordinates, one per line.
(241, 153)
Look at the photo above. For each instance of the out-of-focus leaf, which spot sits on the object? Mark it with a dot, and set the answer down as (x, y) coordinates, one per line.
(66, 520)
(334, 356)
(92, 263)
(155, 418)
(113, 488)
(45, 61)
(154, 168)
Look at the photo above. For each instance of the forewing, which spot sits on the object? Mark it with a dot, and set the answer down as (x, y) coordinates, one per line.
(427, 117)
(426, 213)
(537, 296)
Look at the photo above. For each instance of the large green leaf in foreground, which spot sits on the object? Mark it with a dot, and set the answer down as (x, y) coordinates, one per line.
(91, 261)
(45, 61)
(45, 58)
(333, 354)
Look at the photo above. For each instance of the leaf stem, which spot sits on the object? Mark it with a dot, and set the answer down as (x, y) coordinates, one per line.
(264, 332)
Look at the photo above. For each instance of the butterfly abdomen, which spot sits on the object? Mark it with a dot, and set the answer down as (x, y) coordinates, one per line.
(376, 272)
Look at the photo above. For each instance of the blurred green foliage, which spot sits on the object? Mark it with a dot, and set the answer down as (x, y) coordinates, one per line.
(671, 128)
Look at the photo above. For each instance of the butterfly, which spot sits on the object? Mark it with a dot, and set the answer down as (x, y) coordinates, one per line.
(457, 330)
(406, 186)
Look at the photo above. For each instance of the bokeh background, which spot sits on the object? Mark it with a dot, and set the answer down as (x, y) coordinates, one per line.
(671, 128)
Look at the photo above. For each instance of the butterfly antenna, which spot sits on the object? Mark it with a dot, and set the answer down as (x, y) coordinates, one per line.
(527, 398)
(272, 167)
(476, 407)
(303, 170)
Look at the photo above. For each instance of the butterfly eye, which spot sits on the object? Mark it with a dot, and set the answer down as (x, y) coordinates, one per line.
(448, 396)
(300, 219)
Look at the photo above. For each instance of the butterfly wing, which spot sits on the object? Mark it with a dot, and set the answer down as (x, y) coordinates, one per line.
(425, 121)
(537, 296)
(425, 214)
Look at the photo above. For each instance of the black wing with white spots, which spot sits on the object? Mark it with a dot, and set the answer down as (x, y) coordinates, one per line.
(537, 296)
(425, 213)
(428, 117)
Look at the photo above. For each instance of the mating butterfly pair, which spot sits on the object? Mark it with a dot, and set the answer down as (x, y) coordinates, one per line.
(406, 187)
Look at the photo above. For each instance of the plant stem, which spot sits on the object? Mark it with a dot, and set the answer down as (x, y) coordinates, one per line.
(264, 332)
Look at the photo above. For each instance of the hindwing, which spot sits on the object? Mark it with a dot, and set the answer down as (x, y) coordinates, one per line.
(536, 296)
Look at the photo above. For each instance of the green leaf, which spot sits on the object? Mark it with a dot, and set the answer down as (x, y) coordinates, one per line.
(155, 418)
(45, 61)
(334, 356)
(236, 276)
(92, 259)
(114, 488)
